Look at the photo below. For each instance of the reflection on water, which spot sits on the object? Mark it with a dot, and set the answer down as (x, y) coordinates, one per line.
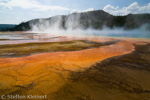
(11, 37)
(109, 33)
(31, 38)
(17, 36)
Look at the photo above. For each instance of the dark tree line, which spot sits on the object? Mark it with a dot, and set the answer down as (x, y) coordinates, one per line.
(95, 19)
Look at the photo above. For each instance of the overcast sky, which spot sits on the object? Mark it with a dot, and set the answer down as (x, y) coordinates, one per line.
(16, 11)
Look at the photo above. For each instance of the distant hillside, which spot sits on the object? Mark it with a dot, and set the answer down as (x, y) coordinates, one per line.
(6, 26)
(94, 19)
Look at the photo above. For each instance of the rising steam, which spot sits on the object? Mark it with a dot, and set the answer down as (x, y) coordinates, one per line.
(73, 27)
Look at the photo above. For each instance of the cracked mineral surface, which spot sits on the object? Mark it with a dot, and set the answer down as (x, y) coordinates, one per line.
(84, 69)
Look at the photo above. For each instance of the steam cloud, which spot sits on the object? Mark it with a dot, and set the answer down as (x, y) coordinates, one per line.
(73, 27)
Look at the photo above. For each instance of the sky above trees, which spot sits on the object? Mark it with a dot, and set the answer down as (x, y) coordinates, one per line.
(16, 11)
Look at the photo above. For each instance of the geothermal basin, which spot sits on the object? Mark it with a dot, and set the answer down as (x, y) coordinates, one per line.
(74, 68)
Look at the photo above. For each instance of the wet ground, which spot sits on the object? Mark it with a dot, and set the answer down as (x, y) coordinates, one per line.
(123, 77)
(82, 68)
(19, 50)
